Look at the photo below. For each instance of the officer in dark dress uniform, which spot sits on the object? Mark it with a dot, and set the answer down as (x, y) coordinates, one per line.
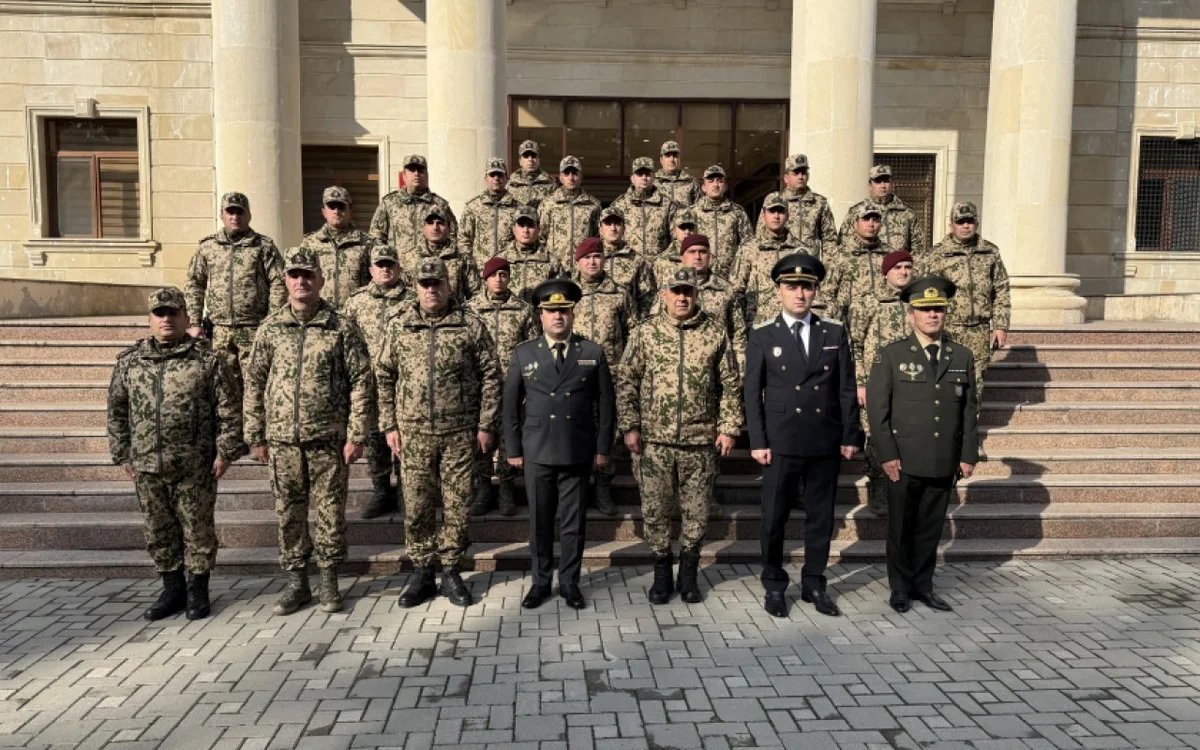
(921, 403)
(802, 416)
(559, 416)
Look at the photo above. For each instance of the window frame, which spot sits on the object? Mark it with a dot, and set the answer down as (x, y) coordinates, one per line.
(94, 158)
(382, 166)
(1189, 132)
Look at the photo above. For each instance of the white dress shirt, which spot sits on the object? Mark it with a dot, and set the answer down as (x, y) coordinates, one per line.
(790, 322)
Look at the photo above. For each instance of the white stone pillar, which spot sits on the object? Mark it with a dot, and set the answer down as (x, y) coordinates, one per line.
(832, 95)
(256, 111)
(466, 56)
(1027, 160)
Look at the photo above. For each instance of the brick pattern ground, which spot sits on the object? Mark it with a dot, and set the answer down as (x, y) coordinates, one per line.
(1076, 654)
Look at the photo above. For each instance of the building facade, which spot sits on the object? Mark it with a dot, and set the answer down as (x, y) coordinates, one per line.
(1073, 123)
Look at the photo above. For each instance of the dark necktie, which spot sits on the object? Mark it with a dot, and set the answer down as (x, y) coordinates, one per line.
(933, 355)
(559, 356)
(797, 327)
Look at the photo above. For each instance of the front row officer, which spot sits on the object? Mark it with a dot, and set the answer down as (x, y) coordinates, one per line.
(921, 403)
(566, 426)
(802, 416)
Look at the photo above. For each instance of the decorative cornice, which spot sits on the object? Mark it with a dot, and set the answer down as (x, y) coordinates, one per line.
(1140, 33)
(172, 9)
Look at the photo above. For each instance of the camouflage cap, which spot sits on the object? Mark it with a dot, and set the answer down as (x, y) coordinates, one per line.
(432, 269)
(235, 200)
(715, 169)
(964, 210)
(383, 252)
(527, 212)
(776, 202)
(336, 194)
(415, 160)
(796, 161)
(681, 277)
(612, 212)
(528, 147)
(867, 208)
(494, 165)
(168, 296)
(570, 162)
(880, 170)
(643, 162)
(669, 147)
(928, 291)
(435, 210)
(685, 217)
(299, 259)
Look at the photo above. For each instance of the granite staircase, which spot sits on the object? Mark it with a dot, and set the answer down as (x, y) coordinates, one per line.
(1091, 433)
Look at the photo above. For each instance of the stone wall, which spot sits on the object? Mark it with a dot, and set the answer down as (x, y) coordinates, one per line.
(30, 298)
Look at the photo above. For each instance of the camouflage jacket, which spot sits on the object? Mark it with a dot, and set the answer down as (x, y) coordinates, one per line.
(528, 267)
(877, 323)
(239, 280)
(680, 187)
(531, 189)
(308, 381)
(630, 270)
(680, 382)
(900, 228)
(811, 221)
(438, 375)
(647, 220)
(752, 277)
(728, 229)
(173, 410)
(856, 277)
(721, 301)
(566, 220)
(509, 322)
(400, 219)
(372, 306)
(605, 315)
(486, 226)
(978, 270)
(464, 274)
(345, 260)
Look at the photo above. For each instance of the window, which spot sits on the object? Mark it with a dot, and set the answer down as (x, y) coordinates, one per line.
(912, 180)
(355, 168)
(92, 177)
(1168, 195)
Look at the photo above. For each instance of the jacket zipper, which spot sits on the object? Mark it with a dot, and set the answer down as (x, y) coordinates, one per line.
(296, 390)
(337, 275)
(679, 390)
(432, 375)
(158, 399)
(232, 260)
(971, 282)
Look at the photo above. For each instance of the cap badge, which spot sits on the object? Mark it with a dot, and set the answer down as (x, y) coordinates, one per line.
(777, 351)
(557, 297)
(931, 293)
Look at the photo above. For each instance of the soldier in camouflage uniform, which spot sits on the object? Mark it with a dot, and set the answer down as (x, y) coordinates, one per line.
(343, 250)
(682, 227)
(979, 314)
(648, 212)
(880, 321)
(174, 426)
(568, 215)
(723, 221)
(530, 261)
(439, 403)
(399, 218)
(488, 218)
(307, 409)
(435, 243)
(856, 277)
(714, 294)
(510, 321)
(370, 308)
(235, 279)
(673, 180)
(678, 396)
(530, 184)
(623, 265)
(752, 277)
(810, 219)
(604, 315)
(900, 227)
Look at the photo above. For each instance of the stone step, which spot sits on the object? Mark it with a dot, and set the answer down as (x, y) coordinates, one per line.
(1106, 333)
(124, 328)
(41, 368)
(1093, 391)
(75, 414)
(1036, 372)
(60, 351)
(999, 413)
(1092, 354)
(73, 391)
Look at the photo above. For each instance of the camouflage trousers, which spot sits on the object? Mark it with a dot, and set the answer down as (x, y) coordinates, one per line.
(233, 344)
(177, 511)
(380, 459)
(669, 473)
(978, 340)
(484, 468)
(427, 459)
(307, 473)
(877, 481)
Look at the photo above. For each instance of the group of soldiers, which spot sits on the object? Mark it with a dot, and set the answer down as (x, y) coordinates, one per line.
(419, 343)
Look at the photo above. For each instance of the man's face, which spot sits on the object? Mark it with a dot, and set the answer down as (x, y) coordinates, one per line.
(669, 161)
(775, 218)
(416, 177)
(928, 320)
(433, 295)
(385, 273)
(570, 178)
(642, 179)
(304, 287)
(612, 230)
(696, 256)
(680, 302)
(965, 229)
(795, 179)
(714, 186)
(497, 283)
(796, 297)
(525, 232)
(337, 215)
(495, 181)
(168, 324)
(435, 229)
(235, 219)
(682, 232)
(558, 323)
(590, 265)
(867, 227)
(880, 187)
(530, 161)
(900, 274)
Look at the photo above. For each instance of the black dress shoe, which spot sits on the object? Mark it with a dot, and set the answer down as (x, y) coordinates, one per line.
(900, 601)
(775, 603)
(821, 601)
(455, 589)
(536, 597)
(933, 601)
(573, 596)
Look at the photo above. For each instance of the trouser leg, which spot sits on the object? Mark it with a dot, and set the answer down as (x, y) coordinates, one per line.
(541, 489)
(572, 484)
(164, 534)
(927, 532)
(195, 502)
(329, 477)
(655, 472)
(456, 457)
(778, 487)
(820, 487)
(289, 485)
(697, 473)
(418, 469)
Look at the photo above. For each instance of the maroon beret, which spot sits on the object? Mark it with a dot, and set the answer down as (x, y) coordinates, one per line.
(691, 241)
(588, 246)
(891, 259)
(495, 264)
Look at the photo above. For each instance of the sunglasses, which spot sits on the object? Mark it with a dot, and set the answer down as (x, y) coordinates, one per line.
(963, 222)
(881, 180)
(435, 221)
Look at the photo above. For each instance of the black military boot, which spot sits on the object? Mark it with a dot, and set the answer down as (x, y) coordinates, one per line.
(421, 588)
(173, 598)
(481, 501)
(383, 498)
(295, 595)
(197, 597)
(327, 591)
(604, 501)
(660, 592)
(455, 589)
(506, 500)
(689, 569)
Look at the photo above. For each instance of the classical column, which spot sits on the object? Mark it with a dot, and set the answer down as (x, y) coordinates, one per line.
(256, 109)
(1027, 160)
(465, 76)
(832, 96)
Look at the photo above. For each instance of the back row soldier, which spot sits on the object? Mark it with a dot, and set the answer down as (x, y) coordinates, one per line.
(342, 249)
(647, 213)
(810, 220)
(673, 180)
(724, 222)
(716, 295)
(753, 272)
(530, 184)
(900, 228)
(623, 264)
(435, 242)
(568, 215)
(529, 261)
(487, 220)
(401, 213)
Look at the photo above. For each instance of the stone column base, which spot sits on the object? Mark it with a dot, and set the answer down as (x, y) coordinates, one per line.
(1046, 300)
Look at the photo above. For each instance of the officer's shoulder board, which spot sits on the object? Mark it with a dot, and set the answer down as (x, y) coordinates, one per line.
(763, 324)
(831, 322)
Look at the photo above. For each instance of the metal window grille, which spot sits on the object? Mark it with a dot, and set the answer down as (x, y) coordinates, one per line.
(355, 168)
(1168, 195)
(912, 180)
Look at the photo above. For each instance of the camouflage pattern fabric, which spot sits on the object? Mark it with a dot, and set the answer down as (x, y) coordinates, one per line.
(530, 188)
(399, 220)
(177, 514)
(238, 279)
(425, 459)
(810, 221)
(753, 273)
(728, 229)
(717, 297)
(667, 472)
(630, 270)
(529, 266)
(856, 277)
(463, 271)
(486, 226)
(310, 472)
(978, 341)
(233, 345)
(648, 215)
(605, 315)
(345, 259)
(899, 229)
(566, 218)
(681, 188)
(976, 268)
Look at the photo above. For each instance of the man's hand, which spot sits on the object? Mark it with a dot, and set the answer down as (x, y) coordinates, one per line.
(848, 451)
(967, 470)
(196, 332)
(485, 440)
(862, 397)
(393, 441)
(517, 462)
(601, 461)
(128, 471)
(724, 444)
(260, 452)
(633, 441)
(352, 452)
(999, 339)
(892, 469)
(219, 467)
(762, 456)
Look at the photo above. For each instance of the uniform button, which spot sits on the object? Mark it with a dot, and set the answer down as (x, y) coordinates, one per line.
(797, 387)
(826, 368)
(816, 387)
(784, 367)
(552, 394)
(818, 411)
(568, 416)
(552, 416)
(937, 386)
(936, 402)
(583, 380)
(937, 419)
(935, 434)
(797, 411)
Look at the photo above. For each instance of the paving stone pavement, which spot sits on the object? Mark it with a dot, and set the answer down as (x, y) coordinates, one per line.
(1070, 654)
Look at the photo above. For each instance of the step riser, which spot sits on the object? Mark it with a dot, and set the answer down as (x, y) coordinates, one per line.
(1108, 373)
(1016, 417)
(35, 332)
(1096, 356)
(51, 395)
(1077, 441)
(61, 353)
(98, 372)
(37, 418)
(1035, 394)
(1100, 338)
